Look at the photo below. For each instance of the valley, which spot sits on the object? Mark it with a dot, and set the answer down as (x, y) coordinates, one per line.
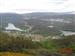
(37, 34)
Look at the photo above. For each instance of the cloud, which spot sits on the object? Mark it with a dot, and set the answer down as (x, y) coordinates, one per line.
(36, 5)
(69, 5)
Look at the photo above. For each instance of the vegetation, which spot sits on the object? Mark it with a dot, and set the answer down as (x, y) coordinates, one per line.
(13, 54)
(24, 44)
(9, 43)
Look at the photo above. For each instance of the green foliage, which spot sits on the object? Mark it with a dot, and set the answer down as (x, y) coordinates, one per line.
(16, 43)
(48, 44)
(54, 44)
(21, 43)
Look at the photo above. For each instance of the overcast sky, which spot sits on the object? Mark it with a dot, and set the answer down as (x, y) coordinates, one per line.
(26, 6)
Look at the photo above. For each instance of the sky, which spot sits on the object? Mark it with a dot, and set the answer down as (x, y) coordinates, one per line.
(27, 6)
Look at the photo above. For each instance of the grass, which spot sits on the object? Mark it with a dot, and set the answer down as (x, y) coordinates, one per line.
(13, 54)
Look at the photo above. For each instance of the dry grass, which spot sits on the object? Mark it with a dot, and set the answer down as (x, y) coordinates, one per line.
(13, 54)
